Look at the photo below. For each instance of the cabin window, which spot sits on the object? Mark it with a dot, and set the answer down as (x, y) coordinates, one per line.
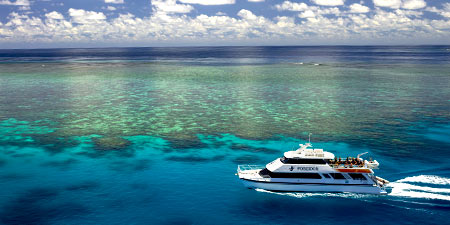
(337, 176)
(357, 176)
(292, 175)
(265, 173)
(302, 161)
(326, 175)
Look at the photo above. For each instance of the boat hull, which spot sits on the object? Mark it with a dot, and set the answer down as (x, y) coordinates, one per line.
(310, 187)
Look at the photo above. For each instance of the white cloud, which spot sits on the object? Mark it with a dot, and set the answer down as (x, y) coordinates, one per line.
(409, 13)
(170, 6)
(114, 1)
(18, 2)
(209, 2)
(86, 17)
(432, 9)
(329, 11)
(308, 11)
(328, 2)
(403, 26)
(307, 14)
(246, 14)
(395, 4)
(446, 6)
(446, 11)
(25, 7)
(291, 6)
(255, 0)
(111, 8)
(284, 22)
(54, 15)
(358, 8)
(414, 4)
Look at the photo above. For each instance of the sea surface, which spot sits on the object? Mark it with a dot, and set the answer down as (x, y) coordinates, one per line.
(154, 135)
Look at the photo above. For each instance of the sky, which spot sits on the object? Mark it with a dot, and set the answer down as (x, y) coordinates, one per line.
(126, 23)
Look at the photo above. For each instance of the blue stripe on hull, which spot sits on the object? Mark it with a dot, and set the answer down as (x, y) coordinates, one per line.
(313, 187)
(291, 183)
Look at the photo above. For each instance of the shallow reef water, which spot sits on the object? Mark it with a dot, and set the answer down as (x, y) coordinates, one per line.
(133, 140)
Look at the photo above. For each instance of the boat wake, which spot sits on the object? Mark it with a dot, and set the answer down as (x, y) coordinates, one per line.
(311, 194)
(422, 187)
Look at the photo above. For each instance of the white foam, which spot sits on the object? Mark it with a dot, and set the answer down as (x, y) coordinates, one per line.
(418, 194)
(427, 179)
(404, 189)
(405, 186)
(309, 194)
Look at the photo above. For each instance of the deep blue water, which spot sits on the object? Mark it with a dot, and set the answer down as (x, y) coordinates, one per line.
(154, 135)
(239, 55)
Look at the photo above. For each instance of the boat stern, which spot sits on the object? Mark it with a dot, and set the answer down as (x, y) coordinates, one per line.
(381, 183)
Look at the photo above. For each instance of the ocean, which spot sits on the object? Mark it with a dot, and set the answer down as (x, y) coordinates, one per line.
(155, 135)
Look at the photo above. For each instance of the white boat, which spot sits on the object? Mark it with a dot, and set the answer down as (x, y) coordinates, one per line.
(314, 170)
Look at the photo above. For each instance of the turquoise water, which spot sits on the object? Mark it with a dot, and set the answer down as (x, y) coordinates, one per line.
(114, 138)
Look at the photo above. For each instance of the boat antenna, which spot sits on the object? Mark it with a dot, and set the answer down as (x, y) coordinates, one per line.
(309, 138)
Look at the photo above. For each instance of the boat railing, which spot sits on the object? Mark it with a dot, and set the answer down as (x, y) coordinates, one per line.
(347, 166)
(249, 167)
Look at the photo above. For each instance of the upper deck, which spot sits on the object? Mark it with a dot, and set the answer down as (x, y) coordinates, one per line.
(318, 160)
(308, 153)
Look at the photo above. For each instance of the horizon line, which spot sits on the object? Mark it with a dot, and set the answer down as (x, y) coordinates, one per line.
(222, 46)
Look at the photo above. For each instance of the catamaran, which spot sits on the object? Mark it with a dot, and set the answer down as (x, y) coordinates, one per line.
(314, 170)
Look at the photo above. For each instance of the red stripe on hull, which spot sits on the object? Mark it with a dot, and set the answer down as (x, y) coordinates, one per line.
(354, 170)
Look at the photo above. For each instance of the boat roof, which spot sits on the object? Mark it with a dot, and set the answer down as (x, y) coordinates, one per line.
(308, 153)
